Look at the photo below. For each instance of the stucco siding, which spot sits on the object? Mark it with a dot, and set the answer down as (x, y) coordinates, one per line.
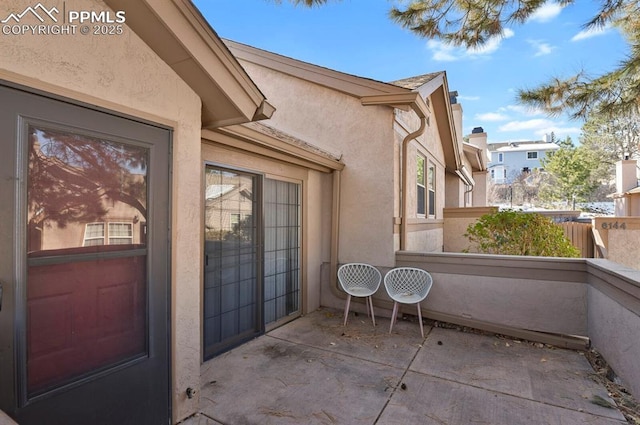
(121, 73)
(615, 332)
(362, 137)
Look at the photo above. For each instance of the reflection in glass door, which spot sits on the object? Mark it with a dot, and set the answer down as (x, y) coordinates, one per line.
(87, 273)
(232, 311)
(243, 293)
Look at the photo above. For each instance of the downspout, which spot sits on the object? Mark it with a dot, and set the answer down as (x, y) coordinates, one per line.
(403, 195)
(335, 233)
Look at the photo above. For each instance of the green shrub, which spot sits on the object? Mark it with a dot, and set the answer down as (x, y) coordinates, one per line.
(516, 233)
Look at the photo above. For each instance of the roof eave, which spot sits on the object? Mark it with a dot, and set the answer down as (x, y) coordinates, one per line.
(177, 32)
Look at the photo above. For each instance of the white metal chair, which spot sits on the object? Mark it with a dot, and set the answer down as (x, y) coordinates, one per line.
(407, 285)
(359, 280)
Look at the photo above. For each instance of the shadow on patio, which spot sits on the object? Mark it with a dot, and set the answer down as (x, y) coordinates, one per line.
(315, 371)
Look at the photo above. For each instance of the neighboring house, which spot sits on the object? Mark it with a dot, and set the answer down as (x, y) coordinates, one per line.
(511, 159)
(156, 223)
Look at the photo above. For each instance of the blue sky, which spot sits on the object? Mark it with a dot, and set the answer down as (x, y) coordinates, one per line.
(357, 37)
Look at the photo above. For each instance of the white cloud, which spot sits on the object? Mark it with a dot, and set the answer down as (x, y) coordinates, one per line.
(534, 124)
(540, 127)
(470, 98)
(541, 47)
(591, 32)
(492, 44)
(445, 52)
(546, 12)
(491, 116)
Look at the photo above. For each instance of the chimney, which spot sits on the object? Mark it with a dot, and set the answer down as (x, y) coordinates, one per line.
(456, 110)
(478, 137)
(626, 177)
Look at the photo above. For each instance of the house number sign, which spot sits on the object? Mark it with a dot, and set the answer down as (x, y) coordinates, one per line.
(608, 225)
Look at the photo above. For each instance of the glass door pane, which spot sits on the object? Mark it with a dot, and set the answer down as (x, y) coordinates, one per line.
(87, 256)
(232, 311)
(282, 249)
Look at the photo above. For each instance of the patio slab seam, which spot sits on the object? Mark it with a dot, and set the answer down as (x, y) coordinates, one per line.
(404, 374)
(533, 400)
(406, 369)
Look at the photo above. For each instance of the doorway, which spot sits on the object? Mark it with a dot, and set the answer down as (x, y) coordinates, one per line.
(252, 256)
(84, 334)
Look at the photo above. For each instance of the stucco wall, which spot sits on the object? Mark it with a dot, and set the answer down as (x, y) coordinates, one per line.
(456, 221)
(620, 236)
(533, 293)
(614, 318)
(121, 73)
(362, 136)
(423, 233)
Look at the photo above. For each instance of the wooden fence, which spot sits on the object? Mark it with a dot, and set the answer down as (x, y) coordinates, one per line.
(581, 236)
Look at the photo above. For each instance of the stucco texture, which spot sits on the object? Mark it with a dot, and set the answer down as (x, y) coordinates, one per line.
(362, 136)
(121, 73)
(615, 332)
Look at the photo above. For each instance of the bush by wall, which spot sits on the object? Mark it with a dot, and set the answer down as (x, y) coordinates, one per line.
(511, 232)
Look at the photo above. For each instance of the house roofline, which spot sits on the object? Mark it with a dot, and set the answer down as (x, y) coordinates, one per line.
(178, 33)
(349, 84)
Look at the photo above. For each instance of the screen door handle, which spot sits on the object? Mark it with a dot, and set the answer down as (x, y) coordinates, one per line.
(0, 296)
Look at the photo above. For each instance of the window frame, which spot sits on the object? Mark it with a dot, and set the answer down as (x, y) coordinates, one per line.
(421, 185)
(529, 158)
(431, 190)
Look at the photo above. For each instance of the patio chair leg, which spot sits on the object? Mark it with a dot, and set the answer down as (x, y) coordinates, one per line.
(370, 307)
(367, 304)
(420, 320)
(346, 310)
(393, 315)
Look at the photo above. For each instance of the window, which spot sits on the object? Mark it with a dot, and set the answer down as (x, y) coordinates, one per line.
(431, 180)
(93, 234)
(120, 233)
(532, 155)
(493, 174)
(426, 188)
(500, 157)
(421, 186)
(117, 234)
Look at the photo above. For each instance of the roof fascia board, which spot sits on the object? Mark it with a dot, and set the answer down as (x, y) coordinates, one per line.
(252, 140)
(183, 39)
(442, 105)
(336, 80)
(402, 101)
(428, 88)
(474, 154)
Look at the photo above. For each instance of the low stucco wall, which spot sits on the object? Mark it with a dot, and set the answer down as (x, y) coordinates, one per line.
(498, 292)
(614, 318)
(532, 293)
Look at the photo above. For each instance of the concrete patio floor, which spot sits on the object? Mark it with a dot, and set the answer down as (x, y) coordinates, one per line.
(315, 371)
